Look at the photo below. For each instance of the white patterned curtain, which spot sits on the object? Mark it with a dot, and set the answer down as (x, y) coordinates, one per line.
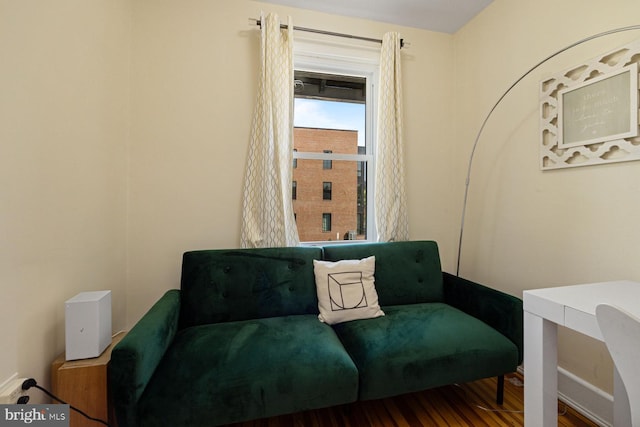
(392, 221)
(267, 212)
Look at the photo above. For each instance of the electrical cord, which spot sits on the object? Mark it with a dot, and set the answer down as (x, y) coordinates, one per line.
(517, 383)
(484, 408)
(31, 383)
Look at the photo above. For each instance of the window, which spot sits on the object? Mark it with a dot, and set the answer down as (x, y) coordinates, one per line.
(295, 160)
(294, 190)
(326, 191)
(333, 142)
(327, 164)
(326, 222)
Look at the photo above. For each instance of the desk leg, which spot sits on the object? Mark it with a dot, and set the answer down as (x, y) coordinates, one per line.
(621, 407)
(540, 372)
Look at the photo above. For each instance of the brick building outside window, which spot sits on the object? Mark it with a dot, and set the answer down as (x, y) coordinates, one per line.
(327, 200)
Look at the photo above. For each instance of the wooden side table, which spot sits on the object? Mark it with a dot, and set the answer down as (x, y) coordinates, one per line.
(83, 384)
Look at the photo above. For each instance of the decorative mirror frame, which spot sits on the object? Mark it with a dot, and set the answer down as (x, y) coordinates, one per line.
(601, 102)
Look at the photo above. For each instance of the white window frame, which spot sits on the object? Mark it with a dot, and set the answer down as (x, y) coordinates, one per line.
(330, 57)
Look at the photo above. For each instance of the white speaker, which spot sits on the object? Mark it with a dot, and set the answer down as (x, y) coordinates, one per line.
(87, 324)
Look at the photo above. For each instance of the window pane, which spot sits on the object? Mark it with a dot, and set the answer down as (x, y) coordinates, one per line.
(326, 222)
(326, 190)
(330, 121)
(326, 164)
(347, 205)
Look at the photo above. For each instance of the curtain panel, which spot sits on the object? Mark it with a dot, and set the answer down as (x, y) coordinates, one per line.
(392, 221)
(267, 213)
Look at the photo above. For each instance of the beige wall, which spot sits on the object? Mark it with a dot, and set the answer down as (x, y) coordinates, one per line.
(194, 77)
(63, 130)
(527, 228)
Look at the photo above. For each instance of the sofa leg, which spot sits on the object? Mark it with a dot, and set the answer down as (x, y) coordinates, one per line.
(500, 391)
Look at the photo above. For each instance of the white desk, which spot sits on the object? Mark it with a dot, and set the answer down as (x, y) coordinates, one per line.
(573, 307)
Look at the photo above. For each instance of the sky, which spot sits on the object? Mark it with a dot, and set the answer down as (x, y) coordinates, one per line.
(316, 113)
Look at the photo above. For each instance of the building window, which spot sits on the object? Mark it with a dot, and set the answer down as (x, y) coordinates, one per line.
(337, 146)
(327, 164)
(294, 190)
(295, 160)
(326, 222)
(326, 191)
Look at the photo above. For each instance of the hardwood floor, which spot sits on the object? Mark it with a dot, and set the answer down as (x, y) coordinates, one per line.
(471, 404)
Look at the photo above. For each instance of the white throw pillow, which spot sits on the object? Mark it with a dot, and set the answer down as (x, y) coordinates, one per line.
(346, 290)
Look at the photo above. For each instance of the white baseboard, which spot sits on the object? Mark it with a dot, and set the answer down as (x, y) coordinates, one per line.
(11, 378)
(584, 397)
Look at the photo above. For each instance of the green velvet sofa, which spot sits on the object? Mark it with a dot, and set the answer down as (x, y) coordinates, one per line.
(241, 338)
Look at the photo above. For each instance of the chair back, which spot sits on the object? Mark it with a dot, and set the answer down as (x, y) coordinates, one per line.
(621, 332)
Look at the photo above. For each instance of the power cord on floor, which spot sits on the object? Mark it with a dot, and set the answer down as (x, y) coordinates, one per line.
(516, 382)
(483, 408)
(31, 383)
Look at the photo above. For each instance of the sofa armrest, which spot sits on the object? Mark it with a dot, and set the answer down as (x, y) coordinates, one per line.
(501, 311)
(135, 358)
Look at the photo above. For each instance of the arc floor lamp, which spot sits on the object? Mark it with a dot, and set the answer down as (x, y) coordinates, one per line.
(479, 134)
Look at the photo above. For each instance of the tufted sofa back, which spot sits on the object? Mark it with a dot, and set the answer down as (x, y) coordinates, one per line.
(406, 272)
(240, 284)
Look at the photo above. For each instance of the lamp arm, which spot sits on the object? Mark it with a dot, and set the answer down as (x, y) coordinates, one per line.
(486, 119)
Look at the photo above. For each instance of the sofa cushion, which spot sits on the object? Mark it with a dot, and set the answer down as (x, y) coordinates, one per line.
(406, 272)
(420, 346)
(229, 372)
(229, 285)
(346, 290)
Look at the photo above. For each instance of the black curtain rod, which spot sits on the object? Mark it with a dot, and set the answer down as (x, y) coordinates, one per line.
(329, 33)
